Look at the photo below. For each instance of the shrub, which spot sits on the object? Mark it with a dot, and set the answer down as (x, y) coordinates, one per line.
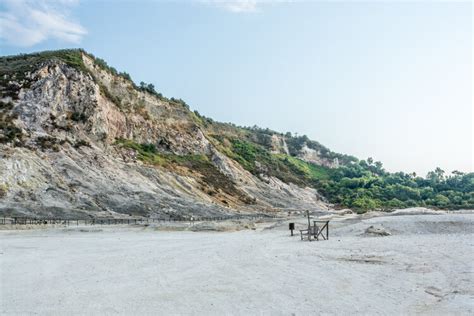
(81, 143)
(150, 88)
(10, 133)
(48, 142)
(78, 117)
(125, 75)
(3, 190)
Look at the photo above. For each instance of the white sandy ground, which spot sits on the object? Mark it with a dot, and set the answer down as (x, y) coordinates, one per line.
(425, 267)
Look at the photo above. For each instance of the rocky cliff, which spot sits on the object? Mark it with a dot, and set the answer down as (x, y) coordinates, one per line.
(77, 139)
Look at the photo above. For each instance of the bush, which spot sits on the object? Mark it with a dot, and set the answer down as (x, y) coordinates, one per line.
(125, 75)
(180, 102)
(81, 143)
(3, 190)
(150, 88)
(364, 203)
(48, 142)
(78, 117)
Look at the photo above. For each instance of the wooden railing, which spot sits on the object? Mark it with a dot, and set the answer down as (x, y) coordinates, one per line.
(120, 221)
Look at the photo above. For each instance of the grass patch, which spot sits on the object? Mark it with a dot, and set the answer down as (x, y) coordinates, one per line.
(149, 154)
(16, 66)
(308, 170)
(22, 63)
(201, 164)
(257, 160)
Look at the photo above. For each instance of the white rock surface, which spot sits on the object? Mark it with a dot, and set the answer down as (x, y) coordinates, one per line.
(424, 268)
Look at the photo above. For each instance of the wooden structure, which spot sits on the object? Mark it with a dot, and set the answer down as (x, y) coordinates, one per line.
(320, 228)
(4, 220)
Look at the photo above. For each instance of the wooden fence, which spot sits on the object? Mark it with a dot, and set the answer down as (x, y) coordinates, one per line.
(120, 221)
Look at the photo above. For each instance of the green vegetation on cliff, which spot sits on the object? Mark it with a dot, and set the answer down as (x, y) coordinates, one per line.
(360, 185)
(357, 184)
(258, 160)
(16, 66)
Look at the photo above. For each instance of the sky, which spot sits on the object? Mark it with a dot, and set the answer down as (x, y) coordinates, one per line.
(392, 80)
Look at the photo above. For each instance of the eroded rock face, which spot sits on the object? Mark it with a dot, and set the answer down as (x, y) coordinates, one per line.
(314, 156)
(64, 99)
(66, 162)
(278, 145)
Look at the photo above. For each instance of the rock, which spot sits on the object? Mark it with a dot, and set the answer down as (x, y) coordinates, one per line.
(68, 160)
(376, 231)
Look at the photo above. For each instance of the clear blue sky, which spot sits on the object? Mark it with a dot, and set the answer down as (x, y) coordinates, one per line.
(389, 80)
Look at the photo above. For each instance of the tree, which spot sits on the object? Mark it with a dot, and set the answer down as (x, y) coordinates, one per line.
(436, 176)
(364, 203)
(379, 165)
(395, 203)
(125, 75)
(441, 201)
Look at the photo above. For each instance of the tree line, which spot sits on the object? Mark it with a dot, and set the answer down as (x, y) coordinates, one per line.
(366, 185)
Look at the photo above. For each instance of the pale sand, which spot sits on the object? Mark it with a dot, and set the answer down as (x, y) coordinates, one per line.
(424, 267)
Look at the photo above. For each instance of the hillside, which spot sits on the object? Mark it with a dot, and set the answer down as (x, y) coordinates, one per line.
(78, 139)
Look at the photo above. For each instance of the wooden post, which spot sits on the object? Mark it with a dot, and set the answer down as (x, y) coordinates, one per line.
(327, 230)
(309, 226)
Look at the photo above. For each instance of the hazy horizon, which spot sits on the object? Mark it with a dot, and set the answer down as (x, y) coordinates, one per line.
(391, 80)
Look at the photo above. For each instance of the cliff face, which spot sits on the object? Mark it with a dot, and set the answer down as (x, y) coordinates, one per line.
(78, 140)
